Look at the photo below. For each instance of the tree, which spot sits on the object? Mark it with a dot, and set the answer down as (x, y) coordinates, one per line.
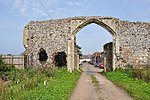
(79, 50)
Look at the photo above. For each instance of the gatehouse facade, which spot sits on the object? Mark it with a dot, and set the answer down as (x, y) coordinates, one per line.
(131, 41)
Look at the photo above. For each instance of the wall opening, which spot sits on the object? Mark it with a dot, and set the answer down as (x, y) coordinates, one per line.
(91, 38)
(112, 38)
(60, 59)
(42, 56)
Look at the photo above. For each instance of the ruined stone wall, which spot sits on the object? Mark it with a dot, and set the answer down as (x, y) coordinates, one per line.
(50, 35)
(134, 39)
(108, 56)
(131, 40)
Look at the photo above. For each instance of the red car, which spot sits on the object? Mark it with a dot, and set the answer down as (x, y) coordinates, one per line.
(101, 65)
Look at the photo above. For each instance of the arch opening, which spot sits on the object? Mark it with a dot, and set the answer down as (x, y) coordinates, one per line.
(60, 59)
(114, 44)
(42, 56)
(92, 39)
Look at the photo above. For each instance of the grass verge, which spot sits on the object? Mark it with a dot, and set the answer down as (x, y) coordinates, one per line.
(139, 89)
(95, 82)
(29, 84)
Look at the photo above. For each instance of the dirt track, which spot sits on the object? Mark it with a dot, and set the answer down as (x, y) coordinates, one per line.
(85, 89)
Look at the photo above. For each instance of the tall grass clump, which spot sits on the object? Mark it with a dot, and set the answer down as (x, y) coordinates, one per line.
(139, 73)
(142, 74)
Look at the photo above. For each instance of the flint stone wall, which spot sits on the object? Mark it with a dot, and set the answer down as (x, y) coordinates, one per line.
(133, 38)
(108, 56)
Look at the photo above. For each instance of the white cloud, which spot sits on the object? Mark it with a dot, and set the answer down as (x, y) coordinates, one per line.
(23, 11)
(75, 3)
(55, 8)
(21, 6)
(17, 3)
(28, 8)
(33, 8)
(57, 12)
(81, 4)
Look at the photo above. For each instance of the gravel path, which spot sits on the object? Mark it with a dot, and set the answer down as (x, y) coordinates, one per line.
(106, 90)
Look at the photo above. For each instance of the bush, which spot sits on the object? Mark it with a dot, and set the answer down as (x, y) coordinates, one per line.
(142, 74)
(4, 67)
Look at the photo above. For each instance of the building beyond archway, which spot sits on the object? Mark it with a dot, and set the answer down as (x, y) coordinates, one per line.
(131, 40)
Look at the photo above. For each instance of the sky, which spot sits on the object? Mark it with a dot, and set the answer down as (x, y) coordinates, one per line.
(15, 14)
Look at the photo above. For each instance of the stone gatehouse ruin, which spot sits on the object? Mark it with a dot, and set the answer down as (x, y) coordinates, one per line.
(131, 41)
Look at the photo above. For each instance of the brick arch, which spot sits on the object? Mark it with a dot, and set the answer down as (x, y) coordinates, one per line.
(72, 54)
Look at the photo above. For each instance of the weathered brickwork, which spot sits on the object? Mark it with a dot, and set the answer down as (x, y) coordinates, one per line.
(131, 40)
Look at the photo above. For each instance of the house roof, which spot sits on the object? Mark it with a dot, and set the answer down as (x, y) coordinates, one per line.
(97, 53)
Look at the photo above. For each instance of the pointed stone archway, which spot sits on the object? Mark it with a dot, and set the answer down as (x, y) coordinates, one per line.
(73, 56)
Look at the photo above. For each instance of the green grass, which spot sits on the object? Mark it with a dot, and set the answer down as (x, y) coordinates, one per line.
(30, 84)
(95, 82)
(139, 89)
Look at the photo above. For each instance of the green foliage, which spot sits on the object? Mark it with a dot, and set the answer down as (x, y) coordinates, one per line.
(142, 74)
(29, 84)
(3, 66)
(79, 50)
(1, 60)
(4, 92)
(48, 71)
(95, 82)
(4, 69)
(139, 89)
